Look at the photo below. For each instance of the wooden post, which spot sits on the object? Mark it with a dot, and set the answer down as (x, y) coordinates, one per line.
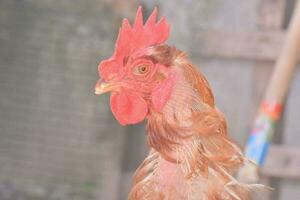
(270, 18)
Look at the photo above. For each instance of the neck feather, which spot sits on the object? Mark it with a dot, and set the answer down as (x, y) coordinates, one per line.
(190, 97)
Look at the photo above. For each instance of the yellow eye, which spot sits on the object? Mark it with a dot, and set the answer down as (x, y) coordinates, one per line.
(142, 69)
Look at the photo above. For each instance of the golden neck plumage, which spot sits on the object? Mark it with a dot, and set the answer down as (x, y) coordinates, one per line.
(178, 121)
(191, 134)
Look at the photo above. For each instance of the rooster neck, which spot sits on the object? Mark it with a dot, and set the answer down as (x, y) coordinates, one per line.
(172, 128)
(191, 152)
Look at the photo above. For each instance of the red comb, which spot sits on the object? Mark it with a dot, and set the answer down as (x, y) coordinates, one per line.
(134, 37)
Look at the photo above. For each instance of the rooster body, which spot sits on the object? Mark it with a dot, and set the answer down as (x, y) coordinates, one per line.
(191, 156)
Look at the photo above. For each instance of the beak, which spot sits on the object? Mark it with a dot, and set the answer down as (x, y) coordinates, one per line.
(103, 87)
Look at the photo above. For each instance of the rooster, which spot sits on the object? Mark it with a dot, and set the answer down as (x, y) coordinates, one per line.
(191, 156)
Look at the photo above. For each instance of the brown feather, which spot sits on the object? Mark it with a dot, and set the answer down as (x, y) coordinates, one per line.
(189, 144)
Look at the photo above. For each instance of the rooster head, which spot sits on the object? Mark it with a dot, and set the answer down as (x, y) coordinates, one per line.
(139, 78)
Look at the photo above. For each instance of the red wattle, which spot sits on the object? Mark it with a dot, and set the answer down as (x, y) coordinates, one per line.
(128, 108)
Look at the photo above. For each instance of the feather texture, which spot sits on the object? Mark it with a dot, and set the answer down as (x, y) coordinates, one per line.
(192, 157)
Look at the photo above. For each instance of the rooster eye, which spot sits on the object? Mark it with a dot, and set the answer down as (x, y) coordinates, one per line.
(141, 69)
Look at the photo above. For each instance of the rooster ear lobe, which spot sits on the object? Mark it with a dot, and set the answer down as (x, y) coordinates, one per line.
(162, 93)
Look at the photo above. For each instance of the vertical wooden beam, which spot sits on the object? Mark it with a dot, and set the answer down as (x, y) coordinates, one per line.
(270, 17)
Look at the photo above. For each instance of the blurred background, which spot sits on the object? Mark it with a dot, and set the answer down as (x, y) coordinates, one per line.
(58, 141)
